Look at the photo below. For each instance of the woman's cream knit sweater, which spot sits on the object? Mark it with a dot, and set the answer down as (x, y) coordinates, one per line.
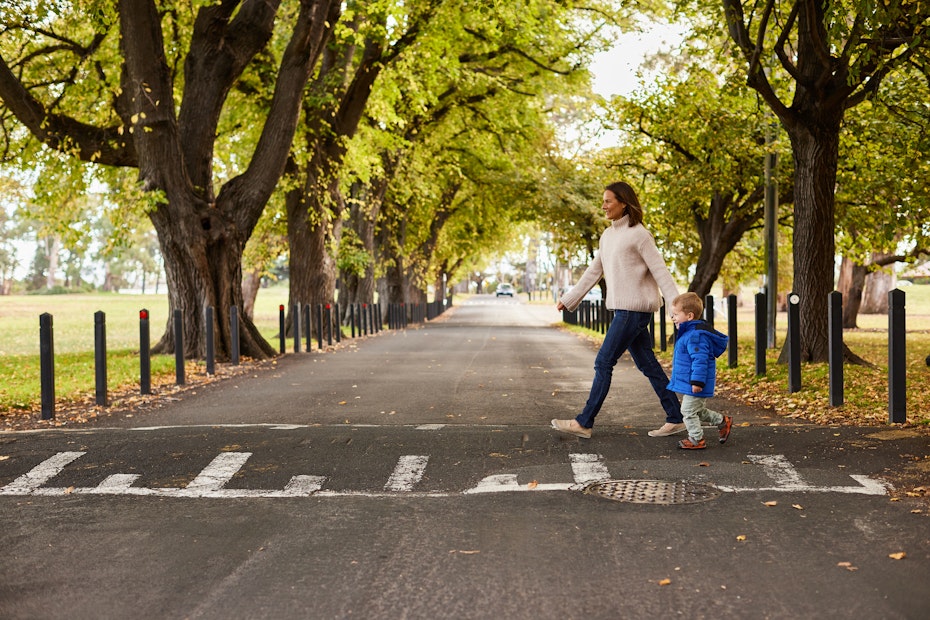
(634, 270)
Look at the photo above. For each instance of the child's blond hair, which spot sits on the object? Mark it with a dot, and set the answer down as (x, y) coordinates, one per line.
(689, 303)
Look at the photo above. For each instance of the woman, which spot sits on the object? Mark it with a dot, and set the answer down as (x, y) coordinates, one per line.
(635, 272)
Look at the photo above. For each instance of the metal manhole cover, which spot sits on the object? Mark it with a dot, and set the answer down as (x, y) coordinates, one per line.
(652, 491)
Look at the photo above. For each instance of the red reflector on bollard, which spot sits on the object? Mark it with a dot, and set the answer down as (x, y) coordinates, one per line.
(281, 307)
(327, 306)
(143, 314)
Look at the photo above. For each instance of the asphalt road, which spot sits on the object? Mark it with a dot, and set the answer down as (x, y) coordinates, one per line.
(412, 475)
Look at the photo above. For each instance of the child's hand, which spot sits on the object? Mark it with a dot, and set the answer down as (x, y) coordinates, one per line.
(695, 389)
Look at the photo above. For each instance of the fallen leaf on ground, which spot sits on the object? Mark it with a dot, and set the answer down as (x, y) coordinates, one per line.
(665, 582)
(797, 506)
(532, 485)
(703, 464)
(741, 538)
(847, 565)
(772, 503)
(900, 555)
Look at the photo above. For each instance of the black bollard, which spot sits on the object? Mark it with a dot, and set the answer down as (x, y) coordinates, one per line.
(352, 318)
(897, 363)
(179, 347)
(295, 326)
(709, 309)
(794, 343)
(761, 333)
(319, 325)
(100, 358)
(234, 335)
(732, 347)
(338, 325)
(835, 344)
(145, 354)
(329, 325)
(282, 336)
(210, 344)
(363, 319)
(308, 326)
(47, 365)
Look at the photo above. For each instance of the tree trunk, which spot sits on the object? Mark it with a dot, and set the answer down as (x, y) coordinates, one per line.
(850, 285)
(360, 288)
(815, 158)
(877, 285)
(720, 235)
(251, 283)
(312, 269)
(203, 266)
(52, 247)
(202, 234)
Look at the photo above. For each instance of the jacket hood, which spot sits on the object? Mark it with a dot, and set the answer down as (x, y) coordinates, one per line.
(718, 340)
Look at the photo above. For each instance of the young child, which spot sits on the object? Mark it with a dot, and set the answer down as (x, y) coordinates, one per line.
(694, 370)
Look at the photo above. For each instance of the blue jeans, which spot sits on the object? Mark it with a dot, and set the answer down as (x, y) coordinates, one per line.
(628, 331)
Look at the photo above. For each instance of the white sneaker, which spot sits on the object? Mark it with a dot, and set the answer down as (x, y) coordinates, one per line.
(667, 429)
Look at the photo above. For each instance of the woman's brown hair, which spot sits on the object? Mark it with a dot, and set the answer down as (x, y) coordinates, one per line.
(627, 196)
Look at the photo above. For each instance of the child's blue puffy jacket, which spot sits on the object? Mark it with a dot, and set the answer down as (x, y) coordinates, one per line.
(697, 346)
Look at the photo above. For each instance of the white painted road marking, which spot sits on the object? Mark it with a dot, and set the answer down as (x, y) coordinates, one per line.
(407, 473)
(40, 474)
(588, 468)
(787, 479)
(220, 471)
(505, 483)
(777, 467)
(211, 481)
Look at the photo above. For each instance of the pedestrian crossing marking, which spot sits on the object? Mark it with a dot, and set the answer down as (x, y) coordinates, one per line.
(407, 474)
